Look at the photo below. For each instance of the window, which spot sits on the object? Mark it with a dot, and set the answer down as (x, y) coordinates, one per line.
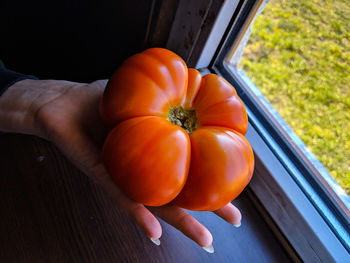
(308, 207)
(296, 55)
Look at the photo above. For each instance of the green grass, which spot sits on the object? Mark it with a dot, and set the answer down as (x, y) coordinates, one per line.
(299, 57)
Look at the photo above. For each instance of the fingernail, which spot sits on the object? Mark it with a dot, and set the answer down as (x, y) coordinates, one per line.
(155, 241)
(209, 249)
(237, 225)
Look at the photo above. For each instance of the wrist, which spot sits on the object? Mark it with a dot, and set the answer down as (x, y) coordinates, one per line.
(21, 103)
(14, 107)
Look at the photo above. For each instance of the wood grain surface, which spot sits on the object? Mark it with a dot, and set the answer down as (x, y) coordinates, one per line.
(50, 212)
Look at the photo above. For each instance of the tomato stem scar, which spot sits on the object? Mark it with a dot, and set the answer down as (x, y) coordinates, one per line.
(185, 118)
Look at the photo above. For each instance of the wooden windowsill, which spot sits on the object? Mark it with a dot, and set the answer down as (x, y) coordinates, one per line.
(50, 212)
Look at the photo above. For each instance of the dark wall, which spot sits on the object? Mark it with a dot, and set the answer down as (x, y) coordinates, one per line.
(78, 40)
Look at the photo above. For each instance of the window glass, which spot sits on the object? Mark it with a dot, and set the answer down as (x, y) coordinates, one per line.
(298, 55)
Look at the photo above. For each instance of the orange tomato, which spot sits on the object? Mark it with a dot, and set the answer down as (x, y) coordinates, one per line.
(176, 136)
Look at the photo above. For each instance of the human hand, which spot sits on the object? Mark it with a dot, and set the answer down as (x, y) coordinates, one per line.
(66, 113)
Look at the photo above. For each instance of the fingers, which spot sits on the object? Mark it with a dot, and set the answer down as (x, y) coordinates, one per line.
(184, 222)
(146, 220)
(141, 215)
(231, 214)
